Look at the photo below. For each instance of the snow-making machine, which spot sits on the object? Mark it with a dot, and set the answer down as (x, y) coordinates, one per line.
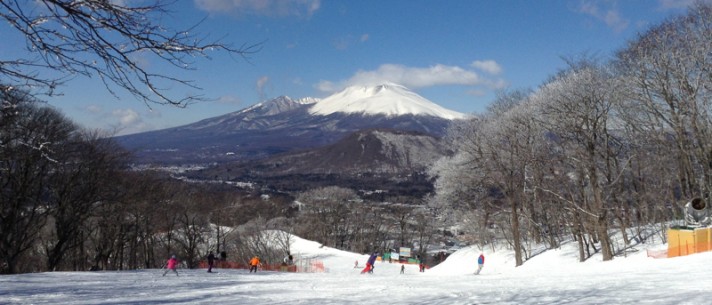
(696, 235)
(697, 214)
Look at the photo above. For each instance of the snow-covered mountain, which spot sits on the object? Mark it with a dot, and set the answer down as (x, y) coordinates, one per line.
(284, 124)
(387, 99)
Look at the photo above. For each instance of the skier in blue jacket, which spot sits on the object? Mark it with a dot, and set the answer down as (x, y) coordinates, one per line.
(480, 263)
(369, 264)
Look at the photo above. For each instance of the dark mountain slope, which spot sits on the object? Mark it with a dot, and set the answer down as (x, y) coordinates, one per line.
(387, 162)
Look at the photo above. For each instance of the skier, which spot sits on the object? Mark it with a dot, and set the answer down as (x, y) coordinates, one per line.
(254, 262)
(289, 259)
(171, 265)
(480, 263)
(286, 262)
(369, 264)
(211, 261)
(402, 269)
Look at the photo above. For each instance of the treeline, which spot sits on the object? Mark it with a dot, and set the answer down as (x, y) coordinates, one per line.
(339, 218)
(603, 146)
(69, 201)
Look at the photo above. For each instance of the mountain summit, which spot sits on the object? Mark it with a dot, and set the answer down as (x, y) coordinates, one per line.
(387, 99)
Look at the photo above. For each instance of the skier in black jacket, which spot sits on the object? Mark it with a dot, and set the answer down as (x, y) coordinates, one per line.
(211, 261)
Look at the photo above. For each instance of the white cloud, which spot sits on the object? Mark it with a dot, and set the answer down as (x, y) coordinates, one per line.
(588, 8)
(262, 81)
(126, 116)
(611, 16)
(476, 92)
(93, 109)
(260, 85)
(127, 121)
(229, 100)
(345, 42)
(342, 43)
(272, 8)
(413, 77)
(489, 66)
(613, 19)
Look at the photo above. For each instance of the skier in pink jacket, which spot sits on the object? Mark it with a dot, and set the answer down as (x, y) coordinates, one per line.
(171, 265)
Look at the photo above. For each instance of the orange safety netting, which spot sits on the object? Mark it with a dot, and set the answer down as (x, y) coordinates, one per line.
(657, 253)
(311, 266)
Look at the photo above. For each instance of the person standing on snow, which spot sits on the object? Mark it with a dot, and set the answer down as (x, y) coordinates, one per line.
(480, 263)
(171, 265)
(369, 264)
(286, 262)
(254, 262)
(289, 259)
(211, 261)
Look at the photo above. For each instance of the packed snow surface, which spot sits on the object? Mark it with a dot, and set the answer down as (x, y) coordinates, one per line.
(552, 277)
(386, 99)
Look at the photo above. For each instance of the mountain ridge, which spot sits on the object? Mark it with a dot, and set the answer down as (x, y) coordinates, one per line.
(278, 126)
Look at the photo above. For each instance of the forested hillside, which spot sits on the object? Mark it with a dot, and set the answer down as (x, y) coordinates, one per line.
(604, 144)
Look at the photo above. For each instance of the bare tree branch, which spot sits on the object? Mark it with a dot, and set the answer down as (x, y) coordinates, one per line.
(106, 39)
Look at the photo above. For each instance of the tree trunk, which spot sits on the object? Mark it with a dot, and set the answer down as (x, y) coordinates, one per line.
(516, 236)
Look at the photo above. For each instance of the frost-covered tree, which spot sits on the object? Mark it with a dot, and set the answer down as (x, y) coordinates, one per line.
(490, 164)
(669, 70)
(594, 149)
(578, 111)
(327, 214)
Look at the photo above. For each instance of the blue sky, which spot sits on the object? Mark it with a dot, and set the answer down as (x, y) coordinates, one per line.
(456, 53)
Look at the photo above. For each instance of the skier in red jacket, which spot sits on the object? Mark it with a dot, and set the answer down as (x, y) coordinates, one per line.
(171, 265)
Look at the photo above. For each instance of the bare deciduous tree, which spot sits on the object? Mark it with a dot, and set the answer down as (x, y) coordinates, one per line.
(106, 39)
(81, 182)
(27, 138)
(327, 211)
